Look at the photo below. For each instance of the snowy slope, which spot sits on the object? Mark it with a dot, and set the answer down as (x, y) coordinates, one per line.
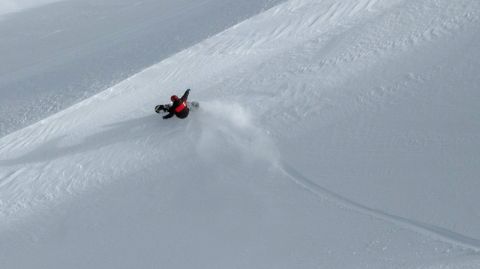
(56, 55)
(332, 134)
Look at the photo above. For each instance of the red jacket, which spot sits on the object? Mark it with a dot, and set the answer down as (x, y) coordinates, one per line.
(179, 107)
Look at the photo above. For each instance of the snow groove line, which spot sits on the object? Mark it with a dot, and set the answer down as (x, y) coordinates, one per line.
(9, 177)
(432, 231)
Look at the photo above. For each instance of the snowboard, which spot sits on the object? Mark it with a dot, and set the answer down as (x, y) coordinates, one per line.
(191, 105)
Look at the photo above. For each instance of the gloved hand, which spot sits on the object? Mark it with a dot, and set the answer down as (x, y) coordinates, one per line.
(159, 108)
(188, 91)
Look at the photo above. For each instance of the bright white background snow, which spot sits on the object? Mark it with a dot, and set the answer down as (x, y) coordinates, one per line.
(331, 134)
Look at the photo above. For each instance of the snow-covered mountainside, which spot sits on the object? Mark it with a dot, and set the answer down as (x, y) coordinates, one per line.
(56, 55)
(331, 134)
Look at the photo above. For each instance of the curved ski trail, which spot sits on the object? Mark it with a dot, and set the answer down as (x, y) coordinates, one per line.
(426, 229)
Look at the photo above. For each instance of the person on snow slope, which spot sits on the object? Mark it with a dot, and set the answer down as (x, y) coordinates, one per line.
(178, 108)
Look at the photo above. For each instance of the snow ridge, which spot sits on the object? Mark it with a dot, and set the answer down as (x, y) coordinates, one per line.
(9, 6)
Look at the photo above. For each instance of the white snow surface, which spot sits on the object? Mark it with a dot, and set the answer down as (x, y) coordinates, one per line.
(56, 55)
(330, 134)
(10, 6)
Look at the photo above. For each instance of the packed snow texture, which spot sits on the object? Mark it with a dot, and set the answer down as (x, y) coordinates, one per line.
(330, 134)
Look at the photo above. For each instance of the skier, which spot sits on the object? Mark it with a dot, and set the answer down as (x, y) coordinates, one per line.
(178, 108)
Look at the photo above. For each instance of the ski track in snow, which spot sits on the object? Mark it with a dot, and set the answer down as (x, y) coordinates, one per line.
(430, 230)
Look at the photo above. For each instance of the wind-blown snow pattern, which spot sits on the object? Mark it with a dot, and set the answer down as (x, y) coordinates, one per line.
(330, 134)
(10, 6)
